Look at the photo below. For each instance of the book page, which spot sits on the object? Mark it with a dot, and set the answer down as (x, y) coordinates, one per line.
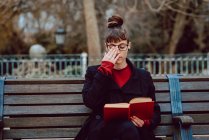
(117, 105)
(140, 100)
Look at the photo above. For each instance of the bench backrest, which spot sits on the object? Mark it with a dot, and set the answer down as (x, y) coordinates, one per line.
(54, 108)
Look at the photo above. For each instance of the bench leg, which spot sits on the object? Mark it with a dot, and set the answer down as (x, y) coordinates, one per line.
(186, 133)
(183, 133)
(177, 134)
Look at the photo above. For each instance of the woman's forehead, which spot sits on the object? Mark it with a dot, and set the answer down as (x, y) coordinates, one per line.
(117, 41)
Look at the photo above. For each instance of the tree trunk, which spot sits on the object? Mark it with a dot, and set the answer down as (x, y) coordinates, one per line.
(93, 41)
(200, 35)
(180, 22)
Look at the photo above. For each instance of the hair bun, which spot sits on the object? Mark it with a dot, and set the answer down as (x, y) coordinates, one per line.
(115, 21)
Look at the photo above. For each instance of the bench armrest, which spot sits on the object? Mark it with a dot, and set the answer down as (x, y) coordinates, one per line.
(185, 121)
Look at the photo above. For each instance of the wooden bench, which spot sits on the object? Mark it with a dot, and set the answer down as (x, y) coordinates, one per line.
(54, 108)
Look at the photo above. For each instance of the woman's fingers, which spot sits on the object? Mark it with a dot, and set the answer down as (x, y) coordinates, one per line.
(111, 55)
(134, 123)
(138, 121)
(117, 57)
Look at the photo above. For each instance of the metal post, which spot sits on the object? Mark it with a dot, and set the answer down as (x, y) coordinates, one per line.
(83, 63)
(1, 105)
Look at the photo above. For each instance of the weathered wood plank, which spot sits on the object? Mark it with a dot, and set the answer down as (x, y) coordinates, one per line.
(184, 86)
(80, 80)
(187, 107)
(43, 99)
(77, 98)
(186, 96)
(74, 109)
(198, 119)
(60, 132)
(195, 85)
(43, 88)
(45, 110)
(57, 88)
(28, 81)
(168, 130)
(200, 129)
(41, 133)
(21, 122)
(71, 132)
(203, 137)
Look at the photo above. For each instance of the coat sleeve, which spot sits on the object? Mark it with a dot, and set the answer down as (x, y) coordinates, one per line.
(157, 113)
(94, 89)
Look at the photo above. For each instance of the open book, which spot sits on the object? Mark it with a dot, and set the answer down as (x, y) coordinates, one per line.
(142, 107)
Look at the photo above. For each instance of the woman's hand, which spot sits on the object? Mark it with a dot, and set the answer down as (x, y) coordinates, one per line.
(137, 121)
(112, 55)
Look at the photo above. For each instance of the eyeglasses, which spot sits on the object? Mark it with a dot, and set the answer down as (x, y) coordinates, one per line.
(121, 47)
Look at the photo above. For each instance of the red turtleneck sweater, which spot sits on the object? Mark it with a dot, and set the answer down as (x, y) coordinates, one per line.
(119, 76)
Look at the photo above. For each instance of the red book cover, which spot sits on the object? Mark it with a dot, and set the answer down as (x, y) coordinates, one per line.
(118, 111)
(141, 107)
(143, 110)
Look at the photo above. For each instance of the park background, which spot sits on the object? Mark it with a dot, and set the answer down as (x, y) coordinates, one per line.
(168, 36)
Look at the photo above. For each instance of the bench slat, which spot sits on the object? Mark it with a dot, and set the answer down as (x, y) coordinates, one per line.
(74, 109)
(57, 88)
(186, 96)
(44, 121)
(206, 137)
(187, 107)
(21, 122)
(60, 132)
(198, 119)
(77, 98)
(43, 88)
(197, 130)
(185, 86)
(43, 99)
(63, 88)
(71, 132)
(28, 81)
(41, 133)
(80, 80)
(46, 110)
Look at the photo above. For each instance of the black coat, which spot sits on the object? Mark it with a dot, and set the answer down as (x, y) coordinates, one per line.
(100, 89)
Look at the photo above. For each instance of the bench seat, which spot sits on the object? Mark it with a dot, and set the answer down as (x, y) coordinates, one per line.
(55, 109)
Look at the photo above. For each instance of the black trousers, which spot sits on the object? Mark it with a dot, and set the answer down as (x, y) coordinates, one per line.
(120, 130)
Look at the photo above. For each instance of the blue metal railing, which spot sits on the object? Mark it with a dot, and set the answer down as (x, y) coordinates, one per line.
(74, 65)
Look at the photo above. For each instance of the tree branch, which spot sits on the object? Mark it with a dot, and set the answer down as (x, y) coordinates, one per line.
(185, 13)
(131, 8)
(147, 2)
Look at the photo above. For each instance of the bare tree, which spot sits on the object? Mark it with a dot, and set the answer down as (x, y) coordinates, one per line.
(93, 40)
(154, 26)
(178, 28)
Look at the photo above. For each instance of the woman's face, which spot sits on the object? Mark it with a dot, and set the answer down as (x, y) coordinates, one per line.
(123, 46)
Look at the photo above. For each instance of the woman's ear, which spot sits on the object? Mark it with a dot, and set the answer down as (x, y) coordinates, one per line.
(129, 45)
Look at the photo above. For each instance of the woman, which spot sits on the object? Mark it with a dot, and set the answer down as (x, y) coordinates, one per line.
(117, 80)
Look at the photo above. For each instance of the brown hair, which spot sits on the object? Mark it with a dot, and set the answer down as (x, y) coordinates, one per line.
(115, 31)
